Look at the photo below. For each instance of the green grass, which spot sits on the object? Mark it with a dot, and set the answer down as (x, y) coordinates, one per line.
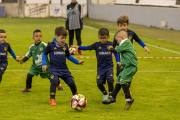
(155, 87)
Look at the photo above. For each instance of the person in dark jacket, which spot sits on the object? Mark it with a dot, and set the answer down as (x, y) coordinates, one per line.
(74, 22)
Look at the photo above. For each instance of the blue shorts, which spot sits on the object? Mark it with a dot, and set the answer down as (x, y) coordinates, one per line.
(64, 75)
(103, 75)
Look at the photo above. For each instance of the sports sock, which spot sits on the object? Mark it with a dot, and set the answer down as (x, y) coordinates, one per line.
(126, 91)
(73, 88)
(102, 88)
(29, 81)
(53, 90)
(111, 88)
(1, 76)
(116, 90)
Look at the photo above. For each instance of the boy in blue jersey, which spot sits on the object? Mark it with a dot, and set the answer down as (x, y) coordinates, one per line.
(123, 23)
(35, 51)
(104, 59)
(58, 52)
(4, 47)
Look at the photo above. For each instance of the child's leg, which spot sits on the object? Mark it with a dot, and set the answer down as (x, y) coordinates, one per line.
(126, 91)
(1, 76)
(29, 81)
(73, 88)
(110, 87)
(116, 90)
(71, 37)
(102, 88)
(53, 90)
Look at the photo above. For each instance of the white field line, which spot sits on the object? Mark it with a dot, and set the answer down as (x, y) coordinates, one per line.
(96, 70)
(146, 43)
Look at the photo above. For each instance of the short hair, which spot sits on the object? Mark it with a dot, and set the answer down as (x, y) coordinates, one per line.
(36, 31)
(60, 31)
(2, 31)
(120, 31)
(123, 19)
(103, 31)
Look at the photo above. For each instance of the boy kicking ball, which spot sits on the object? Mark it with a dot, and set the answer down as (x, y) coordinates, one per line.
(129, 65)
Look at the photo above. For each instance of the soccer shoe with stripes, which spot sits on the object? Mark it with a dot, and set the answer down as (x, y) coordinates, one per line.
(105, 97)
(52, 102)
(110, 100)
(128, 104)
(60, 88)
(26, 90)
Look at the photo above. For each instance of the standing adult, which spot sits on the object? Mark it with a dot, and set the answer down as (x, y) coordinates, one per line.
(74, 22)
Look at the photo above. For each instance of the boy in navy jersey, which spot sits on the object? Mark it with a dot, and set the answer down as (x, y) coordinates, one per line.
(123, 23)
(4, 47)
(58, 52)
(104, 59)
(35, 51)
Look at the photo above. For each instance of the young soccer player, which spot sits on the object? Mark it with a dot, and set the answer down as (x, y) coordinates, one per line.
(104, 58)
(129, 65)
(123, 23)
(58, 52)
(4, 47)
(35, 51)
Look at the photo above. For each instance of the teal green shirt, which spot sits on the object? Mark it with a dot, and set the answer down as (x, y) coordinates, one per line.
(127, 54)
(35, 51)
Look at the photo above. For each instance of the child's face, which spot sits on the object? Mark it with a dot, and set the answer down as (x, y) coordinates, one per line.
(118, 39)
(61, 39)
(2, 38)
(103, 39)
(123, 26)
(37, 37)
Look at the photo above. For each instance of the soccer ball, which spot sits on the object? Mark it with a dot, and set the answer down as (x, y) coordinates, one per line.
(78, 102)
(72, 51)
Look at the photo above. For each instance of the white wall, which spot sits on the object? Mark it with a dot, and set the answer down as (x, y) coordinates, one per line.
(0, 1)
(37, 1)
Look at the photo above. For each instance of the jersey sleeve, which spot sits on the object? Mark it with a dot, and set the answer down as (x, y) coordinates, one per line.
(47, 50)
(9, 49)
(121, 48)
(67, 52)
(44, 45)
(136, 38)
(29, 53)
(92, 47)
(114, 42)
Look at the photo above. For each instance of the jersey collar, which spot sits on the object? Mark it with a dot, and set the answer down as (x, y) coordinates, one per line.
(123, 41)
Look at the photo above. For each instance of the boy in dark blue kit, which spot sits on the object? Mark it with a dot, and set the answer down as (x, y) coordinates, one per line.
(4, 47)
(58, 52)
(104, 59)
(123, 23)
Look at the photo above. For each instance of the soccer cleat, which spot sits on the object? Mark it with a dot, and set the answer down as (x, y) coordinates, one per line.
(52, 102)
(60, 88)
(105, 97)
(109, 100)
(130, 92)
(26, 90)
(79, 52)
(128, 104)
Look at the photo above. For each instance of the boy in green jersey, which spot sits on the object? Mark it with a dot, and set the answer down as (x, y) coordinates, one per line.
(35, 51)
(129, 65)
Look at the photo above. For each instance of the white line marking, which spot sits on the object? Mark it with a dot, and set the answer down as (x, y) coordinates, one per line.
(95, 70)
(146, 43)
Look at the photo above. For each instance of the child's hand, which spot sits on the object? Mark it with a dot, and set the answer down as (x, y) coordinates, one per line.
(21, 62)
(146, 49)
(81, 62)
(49, 42)
(119, 64)
(109, 47)
(44, 67)
(74, 46)
(112, 55)
(17, 60)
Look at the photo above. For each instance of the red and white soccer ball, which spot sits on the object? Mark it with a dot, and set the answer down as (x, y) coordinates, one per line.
(78, 102)
(72, 51)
